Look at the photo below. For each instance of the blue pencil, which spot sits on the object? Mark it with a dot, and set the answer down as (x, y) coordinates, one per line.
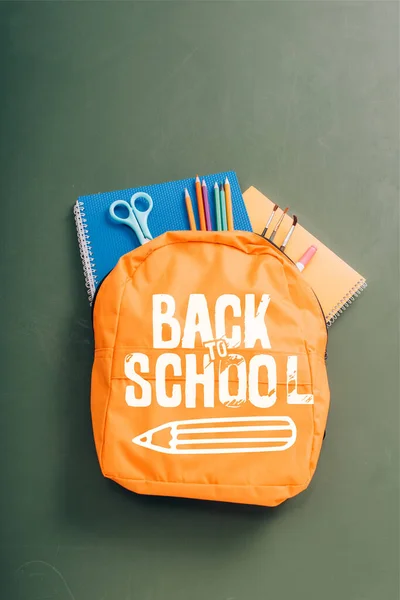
(223, 207)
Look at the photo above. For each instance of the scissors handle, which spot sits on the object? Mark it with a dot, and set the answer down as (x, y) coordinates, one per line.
(142, 215)
(129, 220)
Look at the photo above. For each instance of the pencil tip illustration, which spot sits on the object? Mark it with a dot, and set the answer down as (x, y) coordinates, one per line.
(200, 436)
(145, 440)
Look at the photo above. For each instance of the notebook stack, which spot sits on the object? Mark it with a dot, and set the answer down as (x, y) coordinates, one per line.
(335, 283)
(102, 241)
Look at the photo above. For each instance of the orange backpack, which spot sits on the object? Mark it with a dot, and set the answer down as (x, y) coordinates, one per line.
(209, 378)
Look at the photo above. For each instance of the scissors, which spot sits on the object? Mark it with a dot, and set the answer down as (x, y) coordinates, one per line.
(136, 218)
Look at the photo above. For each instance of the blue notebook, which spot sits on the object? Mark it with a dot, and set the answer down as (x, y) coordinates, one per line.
(102, 242)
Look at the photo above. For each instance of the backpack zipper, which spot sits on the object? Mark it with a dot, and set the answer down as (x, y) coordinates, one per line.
(95, 294)
(272, 244)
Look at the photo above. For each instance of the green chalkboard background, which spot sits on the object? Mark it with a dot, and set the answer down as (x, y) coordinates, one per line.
(301, 100)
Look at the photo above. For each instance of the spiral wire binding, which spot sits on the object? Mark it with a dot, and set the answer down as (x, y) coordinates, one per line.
(91, 279)
(346, 301)
(85, 250)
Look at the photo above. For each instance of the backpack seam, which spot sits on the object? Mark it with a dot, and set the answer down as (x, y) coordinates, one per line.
(153, 250)
(220, 485)
(110, 376)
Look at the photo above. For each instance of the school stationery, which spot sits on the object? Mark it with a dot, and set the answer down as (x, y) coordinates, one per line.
(102, 241)
(217, 207)
(200, 205)
(305, 259)
(209, 378)
(190, 212)
(289, 235)
(335, 283)
(135, 215)
(268, 223)
(228, 202)
(278, 224)
(224, 222)
(204, 191)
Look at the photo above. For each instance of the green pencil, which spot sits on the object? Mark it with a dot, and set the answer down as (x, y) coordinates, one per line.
(217, 207)
(223, 208)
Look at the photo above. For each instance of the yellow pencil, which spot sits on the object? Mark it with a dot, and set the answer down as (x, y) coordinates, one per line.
(228, 203)
(190, 212)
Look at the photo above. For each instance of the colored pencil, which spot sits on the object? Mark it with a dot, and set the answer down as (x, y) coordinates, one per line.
(247, 434)
(217, 207)
(228, 202)
(223, 208)
(190, 213)
(200, 205)
(206, 205)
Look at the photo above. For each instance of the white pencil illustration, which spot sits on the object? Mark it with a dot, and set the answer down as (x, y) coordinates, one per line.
(184, 436)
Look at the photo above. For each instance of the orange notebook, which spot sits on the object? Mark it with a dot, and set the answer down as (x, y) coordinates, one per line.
(335, 283)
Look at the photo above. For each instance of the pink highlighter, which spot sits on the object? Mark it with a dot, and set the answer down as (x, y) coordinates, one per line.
(305, 259)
